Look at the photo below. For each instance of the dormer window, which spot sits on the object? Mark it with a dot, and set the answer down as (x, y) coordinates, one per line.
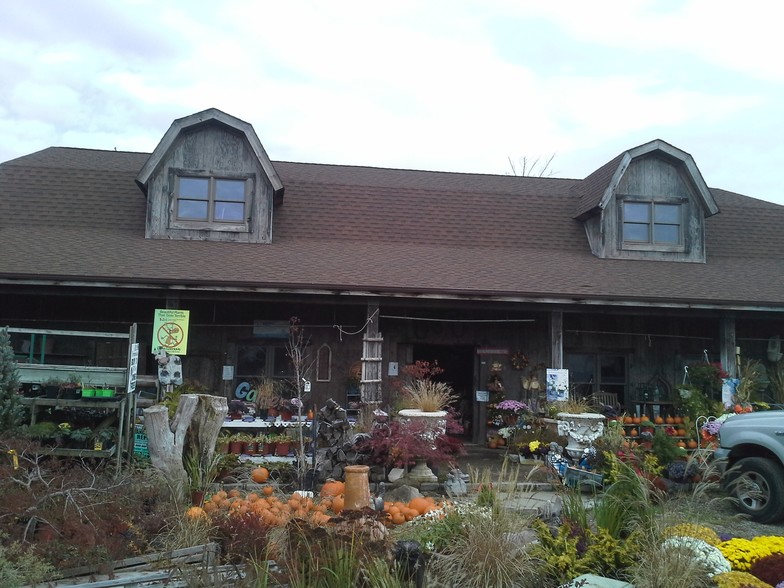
(213, 202)
(652, 225)
(209, 179)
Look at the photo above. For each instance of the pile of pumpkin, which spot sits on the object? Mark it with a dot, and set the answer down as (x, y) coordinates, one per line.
(277, 510)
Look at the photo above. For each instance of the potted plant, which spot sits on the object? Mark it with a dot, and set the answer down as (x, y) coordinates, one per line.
(283, 446)
(269, 444)
(78, 437)
(580, 422)
(511, 410)
(236, 443)
(265, 393)
(200, 475)
(71, 388)
(222, 443)
(43, 431)
(51, 387)
(104, 438)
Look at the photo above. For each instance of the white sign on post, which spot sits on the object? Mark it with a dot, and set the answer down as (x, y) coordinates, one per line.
(557, 385)
(133, 368)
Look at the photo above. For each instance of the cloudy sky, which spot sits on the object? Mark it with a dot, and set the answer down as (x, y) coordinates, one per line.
(455, 85)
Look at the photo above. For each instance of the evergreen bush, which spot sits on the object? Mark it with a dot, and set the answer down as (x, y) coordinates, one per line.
(11, 409)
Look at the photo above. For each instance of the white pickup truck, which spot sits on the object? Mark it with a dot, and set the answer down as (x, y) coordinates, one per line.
(751, 454)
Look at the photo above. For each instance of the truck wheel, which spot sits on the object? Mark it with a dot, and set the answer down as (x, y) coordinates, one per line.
(758, 485)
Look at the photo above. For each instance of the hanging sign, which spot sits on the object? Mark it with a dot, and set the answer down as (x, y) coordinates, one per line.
(557, 385)
(170, 331)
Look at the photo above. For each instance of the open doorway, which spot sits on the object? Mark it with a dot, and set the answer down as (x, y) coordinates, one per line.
(458, 363)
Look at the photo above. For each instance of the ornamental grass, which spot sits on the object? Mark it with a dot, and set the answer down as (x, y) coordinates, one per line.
(428, 396)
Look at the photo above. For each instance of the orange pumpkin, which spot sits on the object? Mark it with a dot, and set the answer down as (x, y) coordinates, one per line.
(681, 432)
(628, 420)
(658, 420)
(633, 433)
(259, 475)
(420, 505)
(692, 444)
(669, 420)
(681, 444)
(332, 488)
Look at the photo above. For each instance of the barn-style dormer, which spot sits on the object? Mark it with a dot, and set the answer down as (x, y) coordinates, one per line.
(648, 203)
(210, 179)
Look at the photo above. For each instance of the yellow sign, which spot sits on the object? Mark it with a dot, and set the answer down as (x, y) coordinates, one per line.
(170, 331)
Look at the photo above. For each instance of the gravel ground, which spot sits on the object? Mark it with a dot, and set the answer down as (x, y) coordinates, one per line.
(714, 509)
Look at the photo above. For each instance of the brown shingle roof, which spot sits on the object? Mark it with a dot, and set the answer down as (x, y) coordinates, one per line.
(77, 214)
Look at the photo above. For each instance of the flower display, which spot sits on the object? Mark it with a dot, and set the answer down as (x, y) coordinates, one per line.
(735, 579)
(512, 406)
(708, 555)
(741, 553)
(693, 530)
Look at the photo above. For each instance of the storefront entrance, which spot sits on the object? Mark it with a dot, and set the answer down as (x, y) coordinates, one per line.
(458, 363)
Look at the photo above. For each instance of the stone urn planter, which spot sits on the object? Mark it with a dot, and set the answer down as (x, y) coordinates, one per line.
(581, 429)
(429, 426)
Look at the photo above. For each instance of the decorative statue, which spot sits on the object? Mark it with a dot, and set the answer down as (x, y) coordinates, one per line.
(556, 459)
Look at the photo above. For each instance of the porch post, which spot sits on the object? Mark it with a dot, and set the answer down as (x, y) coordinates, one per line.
(370, 384)
(728, 346)
(556, 339)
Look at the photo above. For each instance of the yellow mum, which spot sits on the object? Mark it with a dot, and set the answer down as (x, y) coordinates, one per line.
(737, 579)
(693, 530)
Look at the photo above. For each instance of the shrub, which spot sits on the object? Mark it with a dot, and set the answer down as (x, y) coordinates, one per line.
(572, 551)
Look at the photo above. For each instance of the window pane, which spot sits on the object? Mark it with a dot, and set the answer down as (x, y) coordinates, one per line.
(666, 234)
(191, 210)
(230, 190)
(251, 361)
(194, 188)
(282, 366)
(635, 232)
(230, 211)
(668, 213)
(636, 213)
(612, 369)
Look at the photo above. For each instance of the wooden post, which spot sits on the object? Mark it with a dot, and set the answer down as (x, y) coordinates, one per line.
(556, 339)
(727, 350)
(370, 383)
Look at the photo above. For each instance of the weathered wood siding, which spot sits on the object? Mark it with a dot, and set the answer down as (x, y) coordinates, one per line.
(656, 177)
(218, 151)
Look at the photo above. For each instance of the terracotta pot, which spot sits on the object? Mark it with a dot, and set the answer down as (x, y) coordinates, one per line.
(197, 497)
(286, 415)
(282, 450)
(269, 448)
(357, 488)
(235, 447)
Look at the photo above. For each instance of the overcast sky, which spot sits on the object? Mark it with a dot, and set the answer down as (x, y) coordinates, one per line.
(455, 86)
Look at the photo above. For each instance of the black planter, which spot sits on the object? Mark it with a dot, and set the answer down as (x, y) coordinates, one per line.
(52, 391)
(70, 393)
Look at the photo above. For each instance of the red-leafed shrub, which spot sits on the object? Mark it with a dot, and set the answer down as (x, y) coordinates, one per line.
(405, 442)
